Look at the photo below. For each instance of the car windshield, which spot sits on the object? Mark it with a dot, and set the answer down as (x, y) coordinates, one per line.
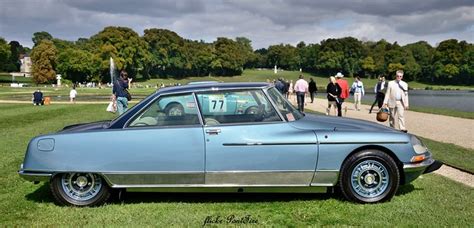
(284, 106)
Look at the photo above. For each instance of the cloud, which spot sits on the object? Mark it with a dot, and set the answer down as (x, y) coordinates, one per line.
(151, 8)
(265, 22)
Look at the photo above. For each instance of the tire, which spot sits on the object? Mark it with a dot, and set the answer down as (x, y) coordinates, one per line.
(79, 189)
(251, 110)
(174, 109)
(369, 176)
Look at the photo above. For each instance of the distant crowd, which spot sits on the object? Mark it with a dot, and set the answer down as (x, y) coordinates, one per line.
(391, 97)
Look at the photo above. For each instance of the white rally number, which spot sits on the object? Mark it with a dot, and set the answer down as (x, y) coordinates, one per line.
(217, 103)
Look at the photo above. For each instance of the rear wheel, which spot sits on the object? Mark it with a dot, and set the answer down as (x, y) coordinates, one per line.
(369, 176)
(174, 109)
(79, 189)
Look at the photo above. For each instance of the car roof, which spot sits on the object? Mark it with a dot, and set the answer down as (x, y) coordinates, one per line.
(213, 86)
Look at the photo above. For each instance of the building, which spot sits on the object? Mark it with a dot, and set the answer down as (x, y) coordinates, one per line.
(25, 68)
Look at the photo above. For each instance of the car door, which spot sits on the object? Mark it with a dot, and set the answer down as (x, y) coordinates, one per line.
(160, 146)
(254, 148)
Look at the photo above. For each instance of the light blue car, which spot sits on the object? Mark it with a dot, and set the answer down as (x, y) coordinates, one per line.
(213, 144)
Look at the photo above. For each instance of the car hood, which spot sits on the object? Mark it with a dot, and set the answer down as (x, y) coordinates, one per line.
(320, 122)
(86, 126)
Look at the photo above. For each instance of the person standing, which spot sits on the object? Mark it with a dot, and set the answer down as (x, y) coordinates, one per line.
(344, 91)
(73, 94)
(279, 85)
(379, 90)
(312, 89)
(358, 88)
(334, 91)
(301, 89)
(291, 89)
(37, 97)
(396, 99)
(120, 85)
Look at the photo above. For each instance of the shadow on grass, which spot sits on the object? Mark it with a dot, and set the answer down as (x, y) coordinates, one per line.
(43, 195)
(135, 197)
(405, 189)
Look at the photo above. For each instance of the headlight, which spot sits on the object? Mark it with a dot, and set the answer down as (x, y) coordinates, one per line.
(418, 146)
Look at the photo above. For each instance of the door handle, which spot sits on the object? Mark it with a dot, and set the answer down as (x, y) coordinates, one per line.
(213, 131)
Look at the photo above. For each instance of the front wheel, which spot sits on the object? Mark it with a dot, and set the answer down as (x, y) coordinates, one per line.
(79, 189)
(369, 176)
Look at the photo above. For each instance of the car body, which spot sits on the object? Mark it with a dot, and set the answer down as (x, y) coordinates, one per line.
(210, 147)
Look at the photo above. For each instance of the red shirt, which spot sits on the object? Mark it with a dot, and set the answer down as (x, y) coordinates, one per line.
(344, 88)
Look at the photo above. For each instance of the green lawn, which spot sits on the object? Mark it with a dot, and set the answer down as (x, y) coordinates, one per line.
(429, 201)
(451, 154)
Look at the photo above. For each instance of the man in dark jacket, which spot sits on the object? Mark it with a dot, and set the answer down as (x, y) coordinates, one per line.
(38, 97)
(312, 89)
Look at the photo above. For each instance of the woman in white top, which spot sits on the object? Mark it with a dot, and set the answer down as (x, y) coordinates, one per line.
(358, 89)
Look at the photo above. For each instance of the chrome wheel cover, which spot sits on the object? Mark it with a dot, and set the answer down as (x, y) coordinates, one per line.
(369, 179)
(81, 186)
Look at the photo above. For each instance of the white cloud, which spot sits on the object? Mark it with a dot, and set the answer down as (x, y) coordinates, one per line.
(265, 22)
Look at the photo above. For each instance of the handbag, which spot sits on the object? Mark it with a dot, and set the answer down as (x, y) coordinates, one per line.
(382, 115)
(111, 107)
(127, 94)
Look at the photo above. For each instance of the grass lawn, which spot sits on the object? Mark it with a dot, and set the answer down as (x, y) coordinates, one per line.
(430, 200)
(451, 154)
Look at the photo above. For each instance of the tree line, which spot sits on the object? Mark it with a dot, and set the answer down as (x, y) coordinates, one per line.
(163, 53)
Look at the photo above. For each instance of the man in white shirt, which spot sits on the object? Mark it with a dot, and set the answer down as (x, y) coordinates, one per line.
(396, 99)
(301, 89)
(72, 95)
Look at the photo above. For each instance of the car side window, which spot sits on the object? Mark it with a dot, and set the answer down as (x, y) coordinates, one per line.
(246, 106)
(173, 110)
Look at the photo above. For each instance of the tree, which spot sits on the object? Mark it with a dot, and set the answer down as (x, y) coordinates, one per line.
(422, 53)
(228, 58)
(330, 62)
(447, 59)
(368, 65)
(393, 67)
(77, 65)
(352, 50)
(43, 57)
(166, 49)
(16, 50)
(129, 51)
(39, 36)
(5, 54)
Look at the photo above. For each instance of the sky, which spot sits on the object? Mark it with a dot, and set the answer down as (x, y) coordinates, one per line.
(265, 22)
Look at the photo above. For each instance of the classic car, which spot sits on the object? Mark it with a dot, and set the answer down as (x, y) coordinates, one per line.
(207, 148)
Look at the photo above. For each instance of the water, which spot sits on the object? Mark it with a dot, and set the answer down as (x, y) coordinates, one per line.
(450, 99)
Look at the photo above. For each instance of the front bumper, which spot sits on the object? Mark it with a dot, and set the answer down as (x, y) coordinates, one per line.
(414, 170)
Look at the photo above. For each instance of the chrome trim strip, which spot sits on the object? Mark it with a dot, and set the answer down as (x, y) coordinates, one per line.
(413, 167)
(243, 189)
(325, 178)
(153, 178)
(268, 144)
(396, 142)
(257, 178)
